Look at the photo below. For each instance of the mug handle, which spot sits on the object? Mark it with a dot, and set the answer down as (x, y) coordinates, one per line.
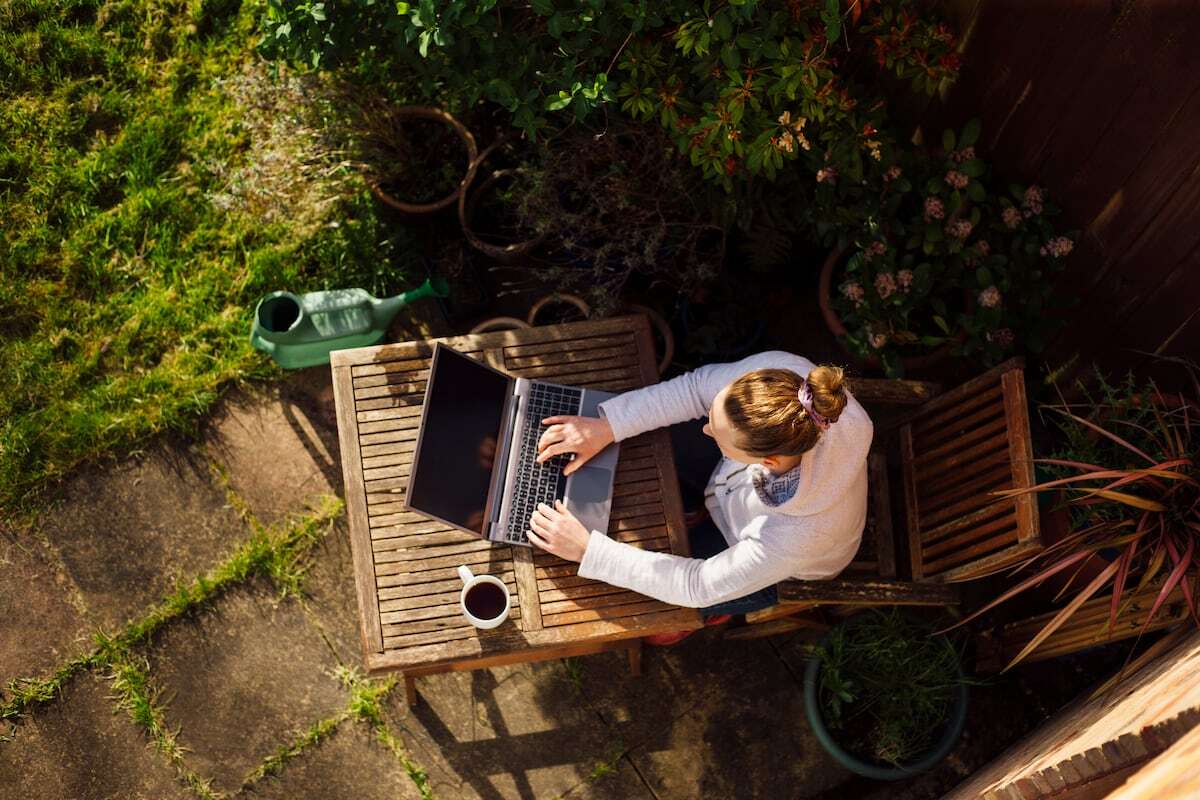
(465, 573)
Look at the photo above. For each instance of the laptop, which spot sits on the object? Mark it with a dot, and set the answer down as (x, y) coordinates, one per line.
(474, 467)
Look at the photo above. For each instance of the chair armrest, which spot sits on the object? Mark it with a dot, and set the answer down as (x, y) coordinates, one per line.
(867, 592)
(889, 391)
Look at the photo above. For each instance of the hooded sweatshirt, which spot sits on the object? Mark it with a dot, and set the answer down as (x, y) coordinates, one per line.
(811, 535)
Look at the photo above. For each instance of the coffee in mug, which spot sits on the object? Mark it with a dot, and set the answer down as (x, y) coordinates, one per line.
(485, 601)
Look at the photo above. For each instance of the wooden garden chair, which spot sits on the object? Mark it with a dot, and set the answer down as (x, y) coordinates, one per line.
(952, 451)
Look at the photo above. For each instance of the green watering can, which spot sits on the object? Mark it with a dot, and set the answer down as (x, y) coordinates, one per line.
(302, 330)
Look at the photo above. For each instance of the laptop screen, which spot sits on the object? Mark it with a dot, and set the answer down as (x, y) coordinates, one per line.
(460, 428)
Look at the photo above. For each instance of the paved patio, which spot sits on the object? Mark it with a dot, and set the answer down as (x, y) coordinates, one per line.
(253, 693)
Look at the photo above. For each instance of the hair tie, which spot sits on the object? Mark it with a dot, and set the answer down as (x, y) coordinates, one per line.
(805, 396)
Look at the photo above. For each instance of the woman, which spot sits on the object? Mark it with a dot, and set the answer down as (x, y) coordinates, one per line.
(788, 499)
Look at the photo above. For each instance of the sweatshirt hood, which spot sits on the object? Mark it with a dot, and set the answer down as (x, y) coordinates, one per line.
(833, 464)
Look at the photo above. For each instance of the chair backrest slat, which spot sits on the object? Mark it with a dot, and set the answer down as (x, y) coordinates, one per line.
(956, 451)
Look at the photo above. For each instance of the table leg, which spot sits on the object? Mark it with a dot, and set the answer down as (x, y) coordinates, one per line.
(410, 690)
(635, 658)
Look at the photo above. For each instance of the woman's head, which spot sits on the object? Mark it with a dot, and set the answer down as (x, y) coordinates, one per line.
(760, 415)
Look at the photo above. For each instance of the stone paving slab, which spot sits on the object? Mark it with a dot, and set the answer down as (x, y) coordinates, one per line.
(82, 747)
(712, 717)
(39, 626)
(511, 732)
(349, 765)
(127, 532)
(279, 444)
(329, 594)
(242, 679)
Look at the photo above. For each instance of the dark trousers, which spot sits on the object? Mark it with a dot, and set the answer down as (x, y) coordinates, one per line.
(696, 456)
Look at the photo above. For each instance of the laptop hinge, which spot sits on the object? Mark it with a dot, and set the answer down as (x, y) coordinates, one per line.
(502, 456)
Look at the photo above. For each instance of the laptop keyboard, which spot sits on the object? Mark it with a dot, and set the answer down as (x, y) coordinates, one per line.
(539, 483)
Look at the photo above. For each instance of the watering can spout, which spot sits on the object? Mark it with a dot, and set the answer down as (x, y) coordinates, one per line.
(388, 307)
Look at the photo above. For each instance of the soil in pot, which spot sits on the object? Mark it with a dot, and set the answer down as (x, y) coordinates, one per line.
(419, 161)
(494, 210)
(722, 321)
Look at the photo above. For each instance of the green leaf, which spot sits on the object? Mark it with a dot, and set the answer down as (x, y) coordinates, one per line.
(722, 27)
(941, 323)
(970, 133)
(731, 57)
(543, 8)
(972, 169)
(976, 192)
(984, 276)
(318, 11)
(947, 140)
(559, 101)
(402, 9)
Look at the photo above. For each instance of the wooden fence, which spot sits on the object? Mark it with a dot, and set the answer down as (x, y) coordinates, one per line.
(1099, 101)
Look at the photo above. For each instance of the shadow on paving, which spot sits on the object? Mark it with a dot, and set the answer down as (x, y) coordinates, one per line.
(708, 718)
(278, 445)
(512, 732)
(712, 717)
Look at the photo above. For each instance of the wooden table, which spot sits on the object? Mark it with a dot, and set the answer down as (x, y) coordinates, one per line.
(405, 563)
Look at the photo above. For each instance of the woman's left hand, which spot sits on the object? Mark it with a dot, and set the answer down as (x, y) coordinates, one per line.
(556, 531)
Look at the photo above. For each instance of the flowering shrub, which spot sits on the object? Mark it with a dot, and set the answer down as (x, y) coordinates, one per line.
(940, 259)
(742, 87)
(751, 86)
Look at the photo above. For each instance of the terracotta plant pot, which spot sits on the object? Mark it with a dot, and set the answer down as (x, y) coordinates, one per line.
(558, 298)
(425, 209)
(500, 324)
(838, 329)
(664, 332)
(468, 202)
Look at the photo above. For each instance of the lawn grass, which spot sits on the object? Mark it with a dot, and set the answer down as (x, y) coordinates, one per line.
(147, 204)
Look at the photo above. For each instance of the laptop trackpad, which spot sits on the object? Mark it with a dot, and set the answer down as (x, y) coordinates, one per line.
(589, 497)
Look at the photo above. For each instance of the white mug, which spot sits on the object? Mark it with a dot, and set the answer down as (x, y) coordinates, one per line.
(470, 580)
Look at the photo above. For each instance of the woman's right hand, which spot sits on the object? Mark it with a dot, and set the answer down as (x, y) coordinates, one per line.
(583, 436)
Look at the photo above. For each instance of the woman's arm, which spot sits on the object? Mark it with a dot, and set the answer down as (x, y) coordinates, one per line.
(688, 396)
(746, 567)
(756, 562)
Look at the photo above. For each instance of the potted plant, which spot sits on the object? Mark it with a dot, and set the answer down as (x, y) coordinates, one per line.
(935, 263)
(414, 157)
(1128, 469)
(617, 206)
(490, 211)
(722, 321)
(884, 696)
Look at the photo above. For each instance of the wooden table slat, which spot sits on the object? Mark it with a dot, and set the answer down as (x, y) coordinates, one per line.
(406, 564)
(575, 373)
(580, 346)
(430, 588)
(638, 606)
(621, 351)
(410, 415)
